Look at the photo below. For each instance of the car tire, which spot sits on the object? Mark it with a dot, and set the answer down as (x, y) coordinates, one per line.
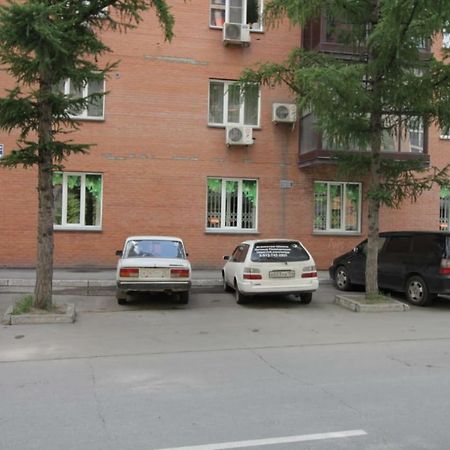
(226, 288)
(342, 279)
(305, 298)
(184, 297)
(239, 296)
(122, 301)
(417, 292)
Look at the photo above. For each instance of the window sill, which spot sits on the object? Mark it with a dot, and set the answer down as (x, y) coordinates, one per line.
(225, 231)
(221, 125)
(336, 233)
(220, 27)
(75, 228)
(88, 119)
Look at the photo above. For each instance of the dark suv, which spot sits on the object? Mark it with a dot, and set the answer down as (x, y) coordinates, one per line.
(414, 262)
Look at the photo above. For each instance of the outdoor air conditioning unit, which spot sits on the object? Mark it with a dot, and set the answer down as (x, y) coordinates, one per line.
(239, 135)
(236, 34)
(284, 112)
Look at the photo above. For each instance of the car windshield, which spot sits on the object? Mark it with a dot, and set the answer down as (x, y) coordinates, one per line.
(279, 252)
(154, 248)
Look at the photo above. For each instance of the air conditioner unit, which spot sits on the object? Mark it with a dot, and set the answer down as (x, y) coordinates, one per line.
(284, 112)
(236, 34)
(239, 135)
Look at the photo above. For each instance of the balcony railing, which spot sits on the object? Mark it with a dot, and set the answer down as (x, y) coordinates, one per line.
(327, 35)
(315, 148)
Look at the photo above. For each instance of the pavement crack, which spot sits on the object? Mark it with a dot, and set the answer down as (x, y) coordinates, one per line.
(405, 363)
(97, 401)
(267, 363)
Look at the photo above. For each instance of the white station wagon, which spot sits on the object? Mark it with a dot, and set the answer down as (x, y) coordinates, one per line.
(153, 264)
(270, 266)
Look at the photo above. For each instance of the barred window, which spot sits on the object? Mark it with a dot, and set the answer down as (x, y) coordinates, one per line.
(337, 207)
(232, 204)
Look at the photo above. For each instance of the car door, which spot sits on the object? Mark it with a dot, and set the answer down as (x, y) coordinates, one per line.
(393, 262)
(234, 267)
(356, 263)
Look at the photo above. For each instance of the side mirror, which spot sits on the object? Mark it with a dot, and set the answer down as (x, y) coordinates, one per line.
(119, 252)
(226, 258)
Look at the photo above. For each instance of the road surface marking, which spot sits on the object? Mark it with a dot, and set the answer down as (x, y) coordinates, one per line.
(273, 441)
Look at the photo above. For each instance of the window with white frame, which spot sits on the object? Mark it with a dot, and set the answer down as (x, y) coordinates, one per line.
(416, 135)
(445, 133)
(236, 11)
(229, 104)
(337, 206)
(232, 204)
(446, 39)
(77, 200)
(95, 107)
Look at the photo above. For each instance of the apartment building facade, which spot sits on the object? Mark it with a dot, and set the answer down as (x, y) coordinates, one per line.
(179, 151)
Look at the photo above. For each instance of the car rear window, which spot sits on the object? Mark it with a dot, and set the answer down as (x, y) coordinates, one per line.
(279, 252)
(154, 248)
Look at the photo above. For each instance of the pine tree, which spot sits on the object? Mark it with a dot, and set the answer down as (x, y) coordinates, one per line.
(387, 88)
(43, 43)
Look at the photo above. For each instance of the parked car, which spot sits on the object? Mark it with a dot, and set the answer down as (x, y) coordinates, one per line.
(153, 264)
(414, 262)
(270, 266)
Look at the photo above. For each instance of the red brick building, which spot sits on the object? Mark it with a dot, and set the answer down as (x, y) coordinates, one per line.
(165, 159)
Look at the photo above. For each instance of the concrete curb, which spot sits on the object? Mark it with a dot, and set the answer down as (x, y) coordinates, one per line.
(354, 303)
(26, 319)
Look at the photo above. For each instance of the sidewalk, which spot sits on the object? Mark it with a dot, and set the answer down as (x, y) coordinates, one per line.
(78, 277)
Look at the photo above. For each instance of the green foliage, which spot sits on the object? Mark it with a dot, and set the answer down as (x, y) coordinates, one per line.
(43, 43)
(364, 103)
(23, 306)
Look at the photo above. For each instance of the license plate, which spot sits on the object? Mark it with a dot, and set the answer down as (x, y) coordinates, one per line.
(282, 274)
(152, 273)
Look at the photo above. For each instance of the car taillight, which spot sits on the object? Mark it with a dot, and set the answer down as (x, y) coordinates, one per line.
(445, 267)
(179, 273)
(127, 272)
(309, 272)
(251, 273)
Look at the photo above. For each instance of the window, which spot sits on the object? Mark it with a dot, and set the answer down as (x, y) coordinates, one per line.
(77, 200)
(337, 207)
(444, 209)
(95, 107)
(240, 253)
(236, 11)
(445, 39)
(445, 133)
(229, 105)
(232, 204)
(416, 136)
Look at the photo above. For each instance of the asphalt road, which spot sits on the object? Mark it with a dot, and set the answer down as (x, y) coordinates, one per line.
(272, 375)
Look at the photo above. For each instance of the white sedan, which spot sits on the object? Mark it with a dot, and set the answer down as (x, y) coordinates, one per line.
(270, 266)
(153, 264)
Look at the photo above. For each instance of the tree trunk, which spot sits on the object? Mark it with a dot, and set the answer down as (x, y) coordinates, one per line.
(373, 229)
(44, 264)
(376, 130)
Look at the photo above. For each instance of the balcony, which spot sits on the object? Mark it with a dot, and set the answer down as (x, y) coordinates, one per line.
(316, 149)
(327, 35)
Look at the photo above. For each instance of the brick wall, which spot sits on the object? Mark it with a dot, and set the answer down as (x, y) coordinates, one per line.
(155, 151)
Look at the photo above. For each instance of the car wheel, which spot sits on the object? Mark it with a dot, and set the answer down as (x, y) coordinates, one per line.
(239, 296)
(184, 297)
(417, 291)
(226, 288)
(122, 301)
(305, 299)
(342, 278)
